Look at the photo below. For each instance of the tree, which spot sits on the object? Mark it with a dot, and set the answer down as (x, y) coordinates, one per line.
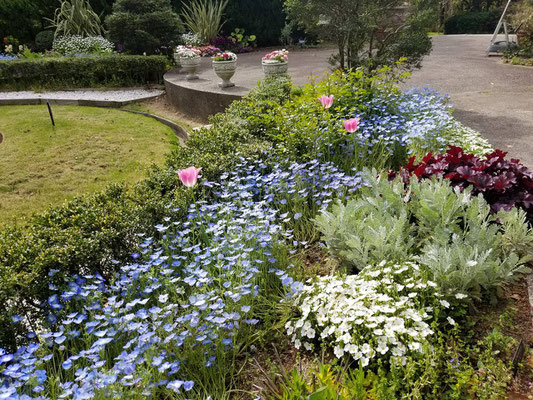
(369, 33)
(144, 26)
(18, 18)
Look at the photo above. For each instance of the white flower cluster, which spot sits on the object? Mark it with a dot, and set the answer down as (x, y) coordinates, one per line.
(384, 311)
(470, 141)
(185, 52)
(191, 39)
(71, 45)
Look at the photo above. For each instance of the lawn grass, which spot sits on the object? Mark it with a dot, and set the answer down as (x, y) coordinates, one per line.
(88, 149)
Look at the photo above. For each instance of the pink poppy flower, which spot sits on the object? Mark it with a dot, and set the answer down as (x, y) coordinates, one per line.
(189, 176)
(326, 101)
(351, 124)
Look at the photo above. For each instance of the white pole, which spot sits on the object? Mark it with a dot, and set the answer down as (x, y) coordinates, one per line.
(499, 26)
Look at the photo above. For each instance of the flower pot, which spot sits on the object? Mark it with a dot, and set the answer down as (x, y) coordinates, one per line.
(190, 65)
(177, 60)
(225, 71)
(275, 68)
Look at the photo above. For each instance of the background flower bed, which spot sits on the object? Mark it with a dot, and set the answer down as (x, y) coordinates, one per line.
(87, 71)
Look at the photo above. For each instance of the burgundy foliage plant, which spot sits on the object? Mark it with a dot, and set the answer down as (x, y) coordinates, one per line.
(503, 183)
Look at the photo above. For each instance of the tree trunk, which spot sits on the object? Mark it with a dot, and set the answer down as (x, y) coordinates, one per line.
(341, 42)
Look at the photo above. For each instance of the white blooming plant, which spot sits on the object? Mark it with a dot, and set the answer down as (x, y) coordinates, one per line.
(385, 312)
(73, 45)
(185, 52)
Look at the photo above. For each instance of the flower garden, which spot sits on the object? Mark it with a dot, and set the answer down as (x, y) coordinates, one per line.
(337, 241)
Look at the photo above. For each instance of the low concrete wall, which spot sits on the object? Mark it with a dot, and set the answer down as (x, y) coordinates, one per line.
(198, 104)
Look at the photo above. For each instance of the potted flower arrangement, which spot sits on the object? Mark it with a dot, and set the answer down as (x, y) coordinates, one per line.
(189, 60)
(275, 62)
(177, 54)
(225, 65)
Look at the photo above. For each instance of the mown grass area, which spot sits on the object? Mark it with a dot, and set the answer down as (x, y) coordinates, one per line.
(86, 150)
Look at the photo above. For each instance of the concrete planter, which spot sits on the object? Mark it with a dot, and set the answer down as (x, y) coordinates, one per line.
(275, 68)
(225, 71)
(190, 65)
(177, 60)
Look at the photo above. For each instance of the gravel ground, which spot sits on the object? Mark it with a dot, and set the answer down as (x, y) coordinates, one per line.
(92, 95)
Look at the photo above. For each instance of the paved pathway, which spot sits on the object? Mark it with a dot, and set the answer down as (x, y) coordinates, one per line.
(304, 66)
(494, 98)
(82, 97)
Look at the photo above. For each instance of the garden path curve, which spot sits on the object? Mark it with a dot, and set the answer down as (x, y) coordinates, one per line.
(489, 96)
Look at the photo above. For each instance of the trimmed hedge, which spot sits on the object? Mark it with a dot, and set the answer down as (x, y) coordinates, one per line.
(472, 22)
(75, 72)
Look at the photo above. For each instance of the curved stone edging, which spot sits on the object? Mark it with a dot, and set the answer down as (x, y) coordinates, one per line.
(196, 103)
(180, 132)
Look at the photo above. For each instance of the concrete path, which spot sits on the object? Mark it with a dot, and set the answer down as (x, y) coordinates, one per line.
(493, 98)
(100, 98)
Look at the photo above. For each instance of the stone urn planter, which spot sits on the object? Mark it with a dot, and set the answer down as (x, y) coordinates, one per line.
(177, 60)
(275, 68)
(225, 71)
(275, 62)
(190, 65)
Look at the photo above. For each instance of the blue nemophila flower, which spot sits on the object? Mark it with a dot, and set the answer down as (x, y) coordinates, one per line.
(186, 294)
(16, 319)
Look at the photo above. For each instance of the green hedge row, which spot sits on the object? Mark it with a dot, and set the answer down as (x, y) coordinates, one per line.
(76, 72)
(472, 22)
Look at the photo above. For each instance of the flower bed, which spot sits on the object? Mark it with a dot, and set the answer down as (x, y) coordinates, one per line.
(218, 265)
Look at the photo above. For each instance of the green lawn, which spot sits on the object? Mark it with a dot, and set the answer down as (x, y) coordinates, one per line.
(88, 149)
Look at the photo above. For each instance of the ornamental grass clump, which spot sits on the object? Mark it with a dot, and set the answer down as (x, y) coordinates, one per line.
(386, 312)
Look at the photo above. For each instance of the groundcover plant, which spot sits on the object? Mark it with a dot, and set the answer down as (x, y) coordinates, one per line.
(174, 320)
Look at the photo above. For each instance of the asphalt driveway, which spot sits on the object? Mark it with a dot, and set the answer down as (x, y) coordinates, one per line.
(494, 98)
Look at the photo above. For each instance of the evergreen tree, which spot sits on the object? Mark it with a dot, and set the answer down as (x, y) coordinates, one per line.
(144, 26)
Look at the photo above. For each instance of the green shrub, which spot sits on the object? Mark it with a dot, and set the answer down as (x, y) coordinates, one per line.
(472, 22)
(265, 19)
(144, 26)
(81, 237)
(73, 72)
(44, 41)
(451, 233)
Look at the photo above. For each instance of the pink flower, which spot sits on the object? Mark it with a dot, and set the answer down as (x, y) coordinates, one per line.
(326, 101)
(351, 124)
(189, 176)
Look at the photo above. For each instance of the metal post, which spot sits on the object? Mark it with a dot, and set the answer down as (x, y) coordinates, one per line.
(51, 114)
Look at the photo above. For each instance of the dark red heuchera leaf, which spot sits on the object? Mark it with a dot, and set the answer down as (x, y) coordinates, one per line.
(503, 183)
